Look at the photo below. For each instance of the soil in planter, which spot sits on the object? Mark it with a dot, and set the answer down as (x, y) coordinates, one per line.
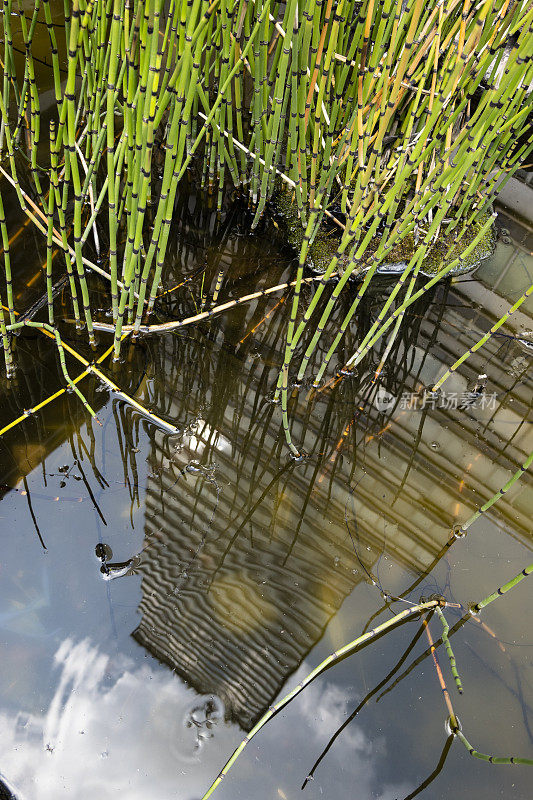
(326, 241)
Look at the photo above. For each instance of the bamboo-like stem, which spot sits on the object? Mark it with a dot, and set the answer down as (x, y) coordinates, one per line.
(440, 676)
(491, 759)
(361, 352)
(485, 507)
(54, 395)
(166, 327)
(7, 261)
(91, 369)
(387, 109)
(331, 659)
(6, 344)
(61, 351)
(449, 651)
(483, 339)
(526, 572)
(94, 370)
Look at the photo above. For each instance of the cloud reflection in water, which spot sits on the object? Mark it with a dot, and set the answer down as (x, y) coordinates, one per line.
(116, 729)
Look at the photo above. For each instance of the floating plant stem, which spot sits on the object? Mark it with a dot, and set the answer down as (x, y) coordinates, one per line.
(331, 659)
(491, 759)
(526, 572)
(440, 676)
(94, 370)
(483, 339)
(61, 351)
(449, 651)
(54, 395)
(165, 327)
(485, 507)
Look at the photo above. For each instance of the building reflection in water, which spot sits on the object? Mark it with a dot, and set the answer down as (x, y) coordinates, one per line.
(247, 554)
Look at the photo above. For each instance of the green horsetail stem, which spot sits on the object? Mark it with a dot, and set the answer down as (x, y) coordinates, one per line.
(503, 589)
(284, 413)
(360, 353)
(373, 69)
(491, 759)
(61, 352)
(173, 176)
(56, 238)
(7, 262)
(49, 240)
(442, 215)
(331, 659)
(54, 52)
(449, 651)
(483, 339)
(485, 507)
(67, 129)
(6, 344)
(91, 369)
(54, 189)
(175, 158)
(35, 120)
(110, 131)
(11, 153)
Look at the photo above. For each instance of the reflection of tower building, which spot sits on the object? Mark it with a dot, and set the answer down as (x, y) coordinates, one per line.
(233, 604)
(237, 591)
(232, 607)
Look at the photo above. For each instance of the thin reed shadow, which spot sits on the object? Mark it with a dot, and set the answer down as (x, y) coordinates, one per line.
(436, 771)
(32, 513)
(516, 693)
(422, 657)
(361, 705)
(416, 583)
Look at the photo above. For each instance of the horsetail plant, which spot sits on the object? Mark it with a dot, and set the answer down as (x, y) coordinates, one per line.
(394, 124)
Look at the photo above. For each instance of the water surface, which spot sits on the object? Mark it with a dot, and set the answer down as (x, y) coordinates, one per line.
(231, 570)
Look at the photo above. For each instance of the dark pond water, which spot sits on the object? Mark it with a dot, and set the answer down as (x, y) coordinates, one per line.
(231, 571)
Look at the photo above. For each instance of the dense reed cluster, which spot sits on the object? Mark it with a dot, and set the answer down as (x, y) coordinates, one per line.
(394, 123)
